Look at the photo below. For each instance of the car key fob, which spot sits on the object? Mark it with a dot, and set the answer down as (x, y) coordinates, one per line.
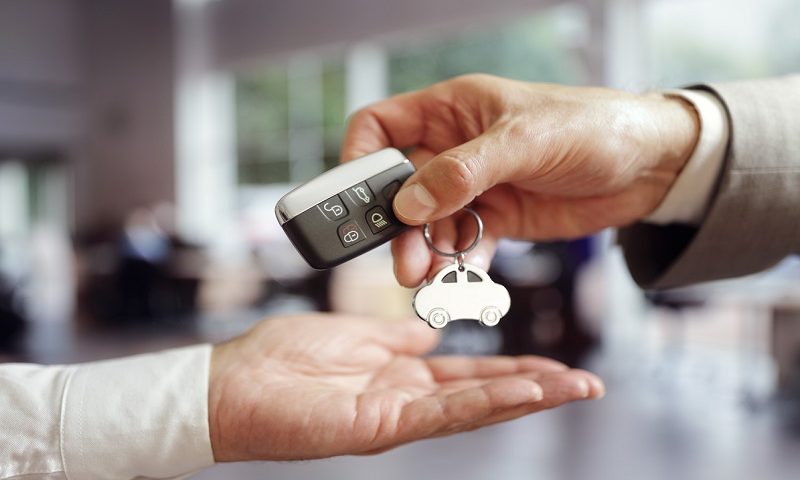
(347, 210)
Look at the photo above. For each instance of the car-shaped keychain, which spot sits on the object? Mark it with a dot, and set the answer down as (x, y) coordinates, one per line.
(462, 292)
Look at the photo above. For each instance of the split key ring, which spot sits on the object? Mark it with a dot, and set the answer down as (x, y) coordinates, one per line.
(460, 254)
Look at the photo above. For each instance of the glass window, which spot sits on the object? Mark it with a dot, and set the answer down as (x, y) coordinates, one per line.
(290, 115)
(290, 119)
(262, 125)
(690, 42)
(536, 48)
(334, 111)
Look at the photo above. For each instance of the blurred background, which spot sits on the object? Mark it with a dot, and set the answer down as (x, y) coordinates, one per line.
(143, 145)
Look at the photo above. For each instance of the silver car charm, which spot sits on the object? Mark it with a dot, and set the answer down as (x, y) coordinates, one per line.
(461, 291)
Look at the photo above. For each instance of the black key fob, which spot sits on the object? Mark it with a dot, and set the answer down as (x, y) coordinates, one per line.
(347, 210)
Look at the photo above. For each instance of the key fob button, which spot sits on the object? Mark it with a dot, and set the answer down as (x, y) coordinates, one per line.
(389, 191)
(333, 208)
(360, 194)
(346, 211)
(350, 234)
(377, 220)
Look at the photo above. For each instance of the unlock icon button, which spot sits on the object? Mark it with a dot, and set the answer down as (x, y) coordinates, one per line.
(377, 219)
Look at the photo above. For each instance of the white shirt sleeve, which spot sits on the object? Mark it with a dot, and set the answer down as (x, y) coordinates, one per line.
(137, 417)
(690, 195)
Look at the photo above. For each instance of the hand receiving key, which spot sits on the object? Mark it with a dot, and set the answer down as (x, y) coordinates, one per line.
(317, 386)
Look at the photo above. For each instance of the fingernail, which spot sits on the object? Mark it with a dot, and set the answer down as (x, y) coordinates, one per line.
(599, 388)
(583, 388)
(414, 203)
(537, 395)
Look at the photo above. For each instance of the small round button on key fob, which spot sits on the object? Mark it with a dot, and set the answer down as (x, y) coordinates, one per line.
(347, 210)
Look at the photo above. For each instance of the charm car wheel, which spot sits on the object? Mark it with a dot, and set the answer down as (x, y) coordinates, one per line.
(438, 318)
(490, 316)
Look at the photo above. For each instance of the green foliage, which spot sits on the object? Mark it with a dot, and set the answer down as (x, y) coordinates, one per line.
(687, 44)
(262, 125)
(683, 60)
(532, 49)
(334, 110)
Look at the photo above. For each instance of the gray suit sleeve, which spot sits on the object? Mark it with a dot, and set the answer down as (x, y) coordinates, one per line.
(754, 218)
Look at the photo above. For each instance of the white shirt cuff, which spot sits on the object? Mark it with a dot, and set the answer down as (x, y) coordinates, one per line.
(690, 195)
(142, 416)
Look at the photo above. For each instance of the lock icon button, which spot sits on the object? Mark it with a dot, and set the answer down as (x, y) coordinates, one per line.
(378, 220)
(333, 208)
(350, 234)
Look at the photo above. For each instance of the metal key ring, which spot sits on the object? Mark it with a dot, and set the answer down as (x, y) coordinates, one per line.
(459, 255)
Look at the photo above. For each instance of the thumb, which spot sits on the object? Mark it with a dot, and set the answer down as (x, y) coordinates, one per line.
(452, 179)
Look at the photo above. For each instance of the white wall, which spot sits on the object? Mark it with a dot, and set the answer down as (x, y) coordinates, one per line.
(40, 72)
(92, 80)
(129, 147)
(45, 50)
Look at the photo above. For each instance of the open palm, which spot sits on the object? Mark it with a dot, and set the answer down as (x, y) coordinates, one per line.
(321, 385)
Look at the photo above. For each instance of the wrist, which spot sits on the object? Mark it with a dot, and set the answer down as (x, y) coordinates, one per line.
(216, 392)
(690, 194)
(679, 131)
(679, 126)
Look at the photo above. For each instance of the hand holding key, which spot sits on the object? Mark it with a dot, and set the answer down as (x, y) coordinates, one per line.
(539, 161)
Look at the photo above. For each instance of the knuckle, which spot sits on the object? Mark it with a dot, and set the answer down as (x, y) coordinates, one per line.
(457, 174)
(519, 130)
(475, 79)
(470, 82)
(361, 116)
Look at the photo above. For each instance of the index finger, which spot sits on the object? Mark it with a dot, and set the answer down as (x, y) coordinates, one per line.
(395, 122)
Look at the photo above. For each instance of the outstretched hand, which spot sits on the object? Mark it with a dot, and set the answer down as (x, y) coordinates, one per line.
(317, 386)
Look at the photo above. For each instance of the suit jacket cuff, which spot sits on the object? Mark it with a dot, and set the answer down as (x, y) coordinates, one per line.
(753, 220)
